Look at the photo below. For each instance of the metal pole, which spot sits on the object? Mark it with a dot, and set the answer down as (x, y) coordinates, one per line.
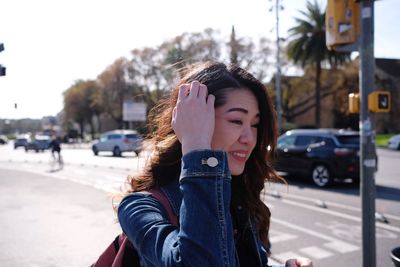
(367, 134)
(278, 71)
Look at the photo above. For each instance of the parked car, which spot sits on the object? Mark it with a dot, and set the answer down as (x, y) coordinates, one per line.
(21, 141)
(39, 143)
(118, 141)
(394, 142)
(3, 140)
(319, 154)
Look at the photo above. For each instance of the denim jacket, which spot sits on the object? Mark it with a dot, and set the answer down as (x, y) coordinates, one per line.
(201, 199)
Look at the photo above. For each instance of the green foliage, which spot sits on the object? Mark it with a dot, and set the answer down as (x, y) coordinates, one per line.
(150, 73)
(382, 139)
(307, 46)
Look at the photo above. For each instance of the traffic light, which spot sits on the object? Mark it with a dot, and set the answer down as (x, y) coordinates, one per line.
(354, 103)
(379, 101)
(342, 23)
(2, 69)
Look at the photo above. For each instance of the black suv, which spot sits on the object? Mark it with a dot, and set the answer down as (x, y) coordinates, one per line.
(321, 154)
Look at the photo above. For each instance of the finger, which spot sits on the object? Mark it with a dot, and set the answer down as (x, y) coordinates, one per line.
(194, 89)
(203, 92)
(183, 91)
(210, 102)
(173, 116)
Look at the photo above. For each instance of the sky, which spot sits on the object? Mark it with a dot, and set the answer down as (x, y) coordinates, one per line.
(51, 44)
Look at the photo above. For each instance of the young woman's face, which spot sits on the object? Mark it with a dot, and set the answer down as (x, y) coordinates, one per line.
(236, 125)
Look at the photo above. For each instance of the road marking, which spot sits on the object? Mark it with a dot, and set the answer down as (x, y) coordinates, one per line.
(121, 179)
(341, 246)
(305, 230)
(80, 172)
(316, 252)
(272, 262)
(337, 214)
(283, 257)
(333, 204)
(277, 236)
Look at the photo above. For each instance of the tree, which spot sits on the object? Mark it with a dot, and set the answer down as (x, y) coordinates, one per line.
(234, 47)
(308, 47)
(188, 48)
(113, 83)
(147, 75)
(75, 107)
(81, 103)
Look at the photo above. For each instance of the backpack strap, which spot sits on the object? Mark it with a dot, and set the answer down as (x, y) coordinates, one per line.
(158, 194)
(121, 251)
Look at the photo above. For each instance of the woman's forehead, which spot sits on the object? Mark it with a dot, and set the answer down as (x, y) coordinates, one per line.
(241, 98)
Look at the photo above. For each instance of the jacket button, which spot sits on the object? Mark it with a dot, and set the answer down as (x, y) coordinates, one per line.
(212, 162)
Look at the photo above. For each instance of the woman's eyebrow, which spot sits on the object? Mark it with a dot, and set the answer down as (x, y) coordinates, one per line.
(243, 110)
(238, 109)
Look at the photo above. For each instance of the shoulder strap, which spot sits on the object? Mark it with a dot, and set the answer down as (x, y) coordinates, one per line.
(158, 194)
(121, 252)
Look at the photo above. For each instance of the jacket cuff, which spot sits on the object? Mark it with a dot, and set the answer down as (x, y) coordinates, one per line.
(205, 163)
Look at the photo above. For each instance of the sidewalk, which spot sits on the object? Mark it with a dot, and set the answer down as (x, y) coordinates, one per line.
(77, 145)
(52, 222)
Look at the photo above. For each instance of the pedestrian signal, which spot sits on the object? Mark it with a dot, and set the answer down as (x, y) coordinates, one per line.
(379, 101)
(342, 23)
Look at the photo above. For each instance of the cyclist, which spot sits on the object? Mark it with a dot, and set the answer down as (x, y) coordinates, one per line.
(55, 146)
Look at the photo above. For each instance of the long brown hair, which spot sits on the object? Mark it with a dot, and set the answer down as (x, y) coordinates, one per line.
(165, 161)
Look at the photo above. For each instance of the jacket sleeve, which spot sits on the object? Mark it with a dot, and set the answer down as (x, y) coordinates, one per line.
(205, 235)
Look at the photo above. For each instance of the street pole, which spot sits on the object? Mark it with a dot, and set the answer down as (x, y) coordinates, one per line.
(278, 70)
(367, 134)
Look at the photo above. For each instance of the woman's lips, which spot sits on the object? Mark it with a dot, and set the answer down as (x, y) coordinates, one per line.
(239, 155)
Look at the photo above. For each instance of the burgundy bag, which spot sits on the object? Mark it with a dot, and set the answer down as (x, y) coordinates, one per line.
(121, 253)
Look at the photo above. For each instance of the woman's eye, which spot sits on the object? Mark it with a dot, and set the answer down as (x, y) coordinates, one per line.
(239, 122)
(255, 125)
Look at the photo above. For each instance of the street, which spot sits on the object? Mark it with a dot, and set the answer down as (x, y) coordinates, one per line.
(72, 217)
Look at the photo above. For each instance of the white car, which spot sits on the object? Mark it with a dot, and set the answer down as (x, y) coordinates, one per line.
(394, 142)
(118, 141)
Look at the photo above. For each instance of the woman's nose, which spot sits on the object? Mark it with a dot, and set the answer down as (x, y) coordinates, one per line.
(247, 135)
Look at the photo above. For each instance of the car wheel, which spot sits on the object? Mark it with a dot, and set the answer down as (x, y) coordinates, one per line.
(321, 175)
(117, 152)
(95, 150)
(356, 180)
(398, 147)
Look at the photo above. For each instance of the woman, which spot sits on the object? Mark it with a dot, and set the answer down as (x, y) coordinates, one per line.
(209, 159)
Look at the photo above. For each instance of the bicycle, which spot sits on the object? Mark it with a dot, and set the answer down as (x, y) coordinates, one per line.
(56, 162)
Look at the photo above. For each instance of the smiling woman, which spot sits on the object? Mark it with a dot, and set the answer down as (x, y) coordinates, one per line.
(209, 160)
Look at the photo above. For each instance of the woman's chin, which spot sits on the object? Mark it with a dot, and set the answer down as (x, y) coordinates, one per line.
(236, 171)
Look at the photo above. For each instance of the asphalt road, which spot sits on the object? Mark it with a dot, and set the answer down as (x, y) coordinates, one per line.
(49, 213)
(52, 222)
(325, 225)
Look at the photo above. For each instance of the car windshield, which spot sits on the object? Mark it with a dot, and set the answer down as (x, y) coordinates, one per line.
(349, 139)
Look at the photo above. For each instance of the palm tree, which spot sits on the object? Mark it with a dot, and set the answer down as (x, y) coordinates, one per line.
(307, 46)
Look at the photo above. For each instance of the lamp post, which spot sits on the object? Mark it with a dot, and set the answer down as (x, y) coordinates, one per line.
(278, 88)
(367, 135)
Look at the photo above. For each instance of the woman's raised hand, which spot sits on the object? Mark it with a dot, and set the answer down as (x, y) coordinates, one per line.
(193, 117)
